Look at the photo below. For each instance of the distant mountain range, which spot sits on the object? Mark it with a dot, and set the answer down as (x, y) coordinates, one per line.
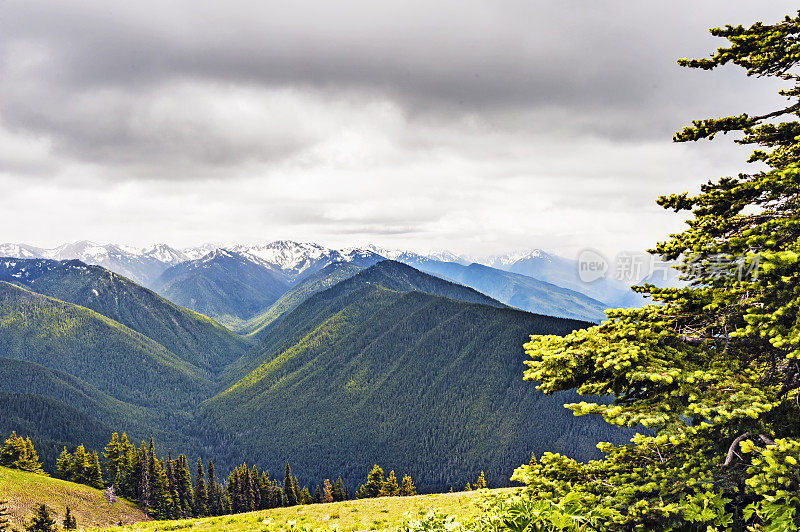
(207, 280)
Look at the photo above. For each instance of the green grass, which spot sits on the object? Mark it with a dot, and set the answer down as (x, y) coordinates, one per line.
(24, 491)
(365, 514)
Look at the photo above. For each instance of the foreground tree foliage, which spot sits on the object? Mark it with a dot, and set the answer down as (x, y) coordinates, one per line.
(41, 521)
(4, 516)
(712, 370)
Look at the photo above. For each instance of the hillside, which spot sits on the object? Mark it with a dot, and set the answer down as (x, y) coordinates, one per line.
(194, 338)
(223, 285)
(102, 352)
(521, 291)
(24, 491)
(400, 277)
(50, 423)
(360, 374)
(382, 513)
(58, 409)
(387, 274)
(259, 325)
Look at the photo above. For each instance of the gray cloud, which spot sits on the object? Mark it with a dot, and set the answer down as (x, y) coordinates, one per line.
(89, 74)
(488, 123)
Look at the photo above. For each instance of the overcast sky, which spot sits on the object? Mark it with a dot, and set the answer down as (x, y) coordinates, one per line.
(477, 126)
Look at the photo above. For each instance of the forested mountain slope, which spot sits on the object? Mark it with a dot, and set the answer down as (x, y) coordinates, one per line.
(104, 353)
(187, 334)
(71, 393)
(223, 285)
(361, 374)
(386, 274)
(50, 424)
(403, 278)
(323, 279)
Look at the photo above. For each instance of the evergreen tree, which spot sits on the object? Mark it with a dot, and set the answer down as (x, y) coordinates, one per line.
(69, 523)
(390, 487)
(112, 460)
(481, 482)
(169, 469)
(18, 453)
(289, 493)
(4, 516)
(79, 465)
(711, 369)
(214, 494)
(143, 484)
(126, 482)
(255, 489)
(267, 487)
(162, 504)
(277, 492)
(305, 496)
(183, 480)
(42, 521)
(338, 491)
(64, 465)
(94, 475)
(200, 492)
(327, 491)
(233, 490)
(407, 487)
(318, 494)
(297, 490)
(374, 484)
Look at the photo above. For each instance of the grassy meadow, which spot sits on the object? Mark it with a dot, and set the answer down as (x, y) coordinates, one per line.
(381, 513)
(24, 491)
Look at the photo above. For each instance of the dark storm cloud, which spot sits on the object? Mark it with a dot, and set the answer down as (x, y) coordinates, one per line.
(110, 83)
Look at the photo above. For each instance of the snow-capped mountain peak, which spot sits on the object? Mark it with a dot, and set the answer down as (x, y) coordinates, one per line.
(506, 260)
(20, 251)
(286, 254)
(164, 253)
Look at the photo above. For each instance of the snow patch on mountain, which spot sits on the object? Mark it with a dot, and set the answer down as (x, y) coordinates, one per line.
(506, 260)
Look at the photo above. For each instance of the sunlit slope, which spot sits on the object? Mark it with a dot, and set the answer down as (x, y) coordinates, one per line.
(387, 274)
(25, 491)
(104, 353)
(382, 513)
